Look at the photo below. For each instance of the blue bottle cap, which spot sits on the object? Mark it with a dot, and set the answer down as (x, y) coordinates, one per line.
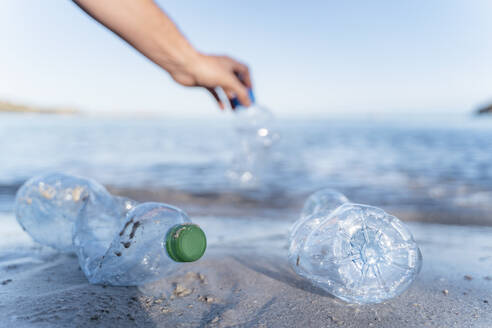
(236, 103)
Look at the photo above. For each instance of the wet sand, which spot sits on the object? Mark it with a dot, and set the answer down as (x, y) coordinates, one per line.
(279, 206)
(244, 281)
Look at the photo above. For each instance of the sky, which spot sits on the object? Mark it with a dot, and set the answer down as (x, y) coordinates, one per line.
(310, 58)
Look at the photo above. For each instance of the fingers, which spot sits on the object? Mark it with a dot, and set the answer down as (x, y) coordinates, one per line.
(231, 96)
(231, 76)
(217, 98)
(241, 70)
(234, 88)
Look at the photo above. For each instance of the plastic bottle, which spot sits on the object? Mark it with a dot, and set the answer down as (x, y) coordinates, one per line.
(117, 240)
(357, 253)
(255, 135)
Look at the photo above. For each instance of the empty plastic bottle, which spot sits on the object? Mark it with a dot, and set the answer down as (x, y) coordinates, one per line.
(322, 203)
(357, 253)
(117, 240)
(256, 137)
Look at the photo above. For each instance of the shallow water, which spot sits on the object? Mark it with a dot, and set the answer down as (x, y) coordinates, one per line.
(406, 164)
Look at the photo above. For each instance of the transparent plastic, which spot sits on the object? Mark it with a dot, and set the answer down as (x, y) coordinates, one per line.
(117, 240)
(255, 138)
(133, 254)
(321, 203)
(355, 252)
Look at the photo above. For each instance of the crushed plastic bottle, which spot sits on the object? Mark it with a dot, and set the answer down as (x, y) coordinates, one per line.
(253, 127)
(117, 241)
(322, 203)
(357, 253)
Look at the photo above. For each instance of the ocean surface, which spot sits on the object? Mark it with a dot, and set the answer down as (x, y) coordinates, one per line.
(439, 168)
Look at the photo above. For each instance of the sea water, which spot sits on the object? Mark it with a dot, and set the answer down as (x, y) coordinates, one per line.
(438, 165)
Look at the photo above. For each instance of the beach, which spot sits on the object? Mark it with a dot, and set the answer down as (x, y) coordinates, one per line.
(436, 179)
(249, 165)
(244, 281)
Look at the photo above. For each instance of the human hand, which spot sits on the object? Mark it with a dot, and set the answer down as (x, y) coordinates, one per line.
(212, 72)
(149, 30)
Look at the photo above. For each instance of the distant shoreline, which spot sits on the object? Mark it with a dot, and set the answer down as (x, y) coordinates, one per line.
(9, 107)
(484, 110)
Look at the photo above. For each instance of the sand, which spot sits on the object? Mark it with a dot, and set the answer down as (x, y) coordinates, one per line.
(244, 281)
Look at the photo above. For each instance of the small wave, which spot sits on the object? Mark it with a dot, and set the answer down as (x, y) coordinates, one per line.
(9, 189)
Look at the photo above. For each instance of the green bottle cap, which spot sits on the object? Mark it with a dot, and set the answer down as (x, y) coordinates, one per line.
(186, 242)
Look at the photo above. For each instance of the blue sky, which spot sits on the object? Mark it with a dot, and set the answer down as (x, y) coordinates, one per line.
(311, 58)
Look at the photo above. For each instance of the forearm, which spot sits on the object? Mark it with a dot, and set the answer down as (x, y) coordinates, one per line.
(147, 28)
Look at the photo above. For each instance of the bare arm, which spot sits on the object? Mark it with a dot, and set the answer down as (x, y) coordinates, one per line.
(148, 29)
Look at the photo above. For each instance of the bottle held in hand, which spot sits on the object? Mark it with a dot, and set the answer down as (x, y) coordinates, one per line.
(255, 135)
(117, 240)
(357, 253)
